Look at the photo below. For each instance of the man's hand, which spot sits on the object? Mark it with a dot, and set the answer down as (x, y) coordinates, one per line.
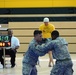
(43, 45)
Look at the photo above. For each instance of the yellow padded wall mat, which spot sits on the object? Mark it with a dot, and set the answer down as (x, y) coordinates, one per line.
(36, 3)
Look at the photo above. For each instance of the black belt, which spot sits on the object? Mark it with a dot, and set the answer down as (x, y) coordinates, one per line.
(64, 59)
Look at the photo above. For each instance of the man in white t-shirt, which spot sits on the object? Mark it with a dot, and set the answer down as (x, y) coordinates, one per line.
(11, 50)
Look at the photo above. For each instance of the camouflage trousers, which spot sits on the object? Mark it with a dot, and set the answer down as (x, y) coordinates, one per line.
(28, 69)
(62, 68)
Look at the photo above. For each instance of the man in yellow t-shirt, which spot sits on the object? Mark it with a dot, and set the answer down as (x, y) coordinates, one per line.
(47, 29)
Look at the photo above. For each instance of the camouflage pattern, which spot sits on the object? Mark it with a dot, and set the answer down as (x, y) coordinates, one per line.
(59, 47)
(31, 57)
(29, 69)
(62, 68)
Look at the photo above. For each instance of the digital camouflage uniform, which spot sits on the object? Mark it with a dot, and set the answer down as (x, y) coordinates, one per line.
(59, 47)
(31, 57)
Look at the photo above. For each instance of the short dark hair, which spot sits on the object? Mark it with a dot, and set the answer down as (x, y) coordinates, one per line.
(37, 32)
(55, 33)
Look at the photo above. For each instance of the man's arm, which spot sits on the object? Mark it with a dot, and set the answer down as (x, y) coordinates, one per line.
(53, 28)
(17, 47)
(17, 44)
(40, 27)
(41, 50)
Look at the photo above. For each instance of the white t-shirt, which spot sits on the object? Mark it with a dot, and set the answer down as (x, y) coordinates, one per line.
(14, 42)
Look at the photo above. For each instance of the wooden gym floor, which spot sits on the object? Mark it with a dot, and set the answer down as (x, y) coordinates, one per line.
(43, 69)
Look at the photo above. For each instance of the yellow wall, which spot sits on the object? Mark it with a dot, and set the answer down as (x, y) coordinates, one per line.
(36, 3)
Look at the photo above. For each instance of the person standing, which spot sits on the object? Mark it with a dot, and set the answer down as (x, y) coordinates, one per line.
(31, 56)
(47, 29)
(59, 48)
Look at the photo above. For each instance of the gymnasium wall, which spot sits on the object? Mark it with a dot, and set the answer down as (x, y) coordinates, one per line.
(24, 16)
(36, 3)
(24, 31)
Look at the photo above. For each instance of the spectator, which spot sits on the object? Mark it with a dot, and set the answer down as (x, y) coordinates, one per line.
(46, 29)
(10, 50)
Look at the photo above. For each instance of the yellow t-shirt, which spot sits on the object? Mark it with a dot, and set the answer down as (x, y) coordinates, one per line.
(46, 30)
